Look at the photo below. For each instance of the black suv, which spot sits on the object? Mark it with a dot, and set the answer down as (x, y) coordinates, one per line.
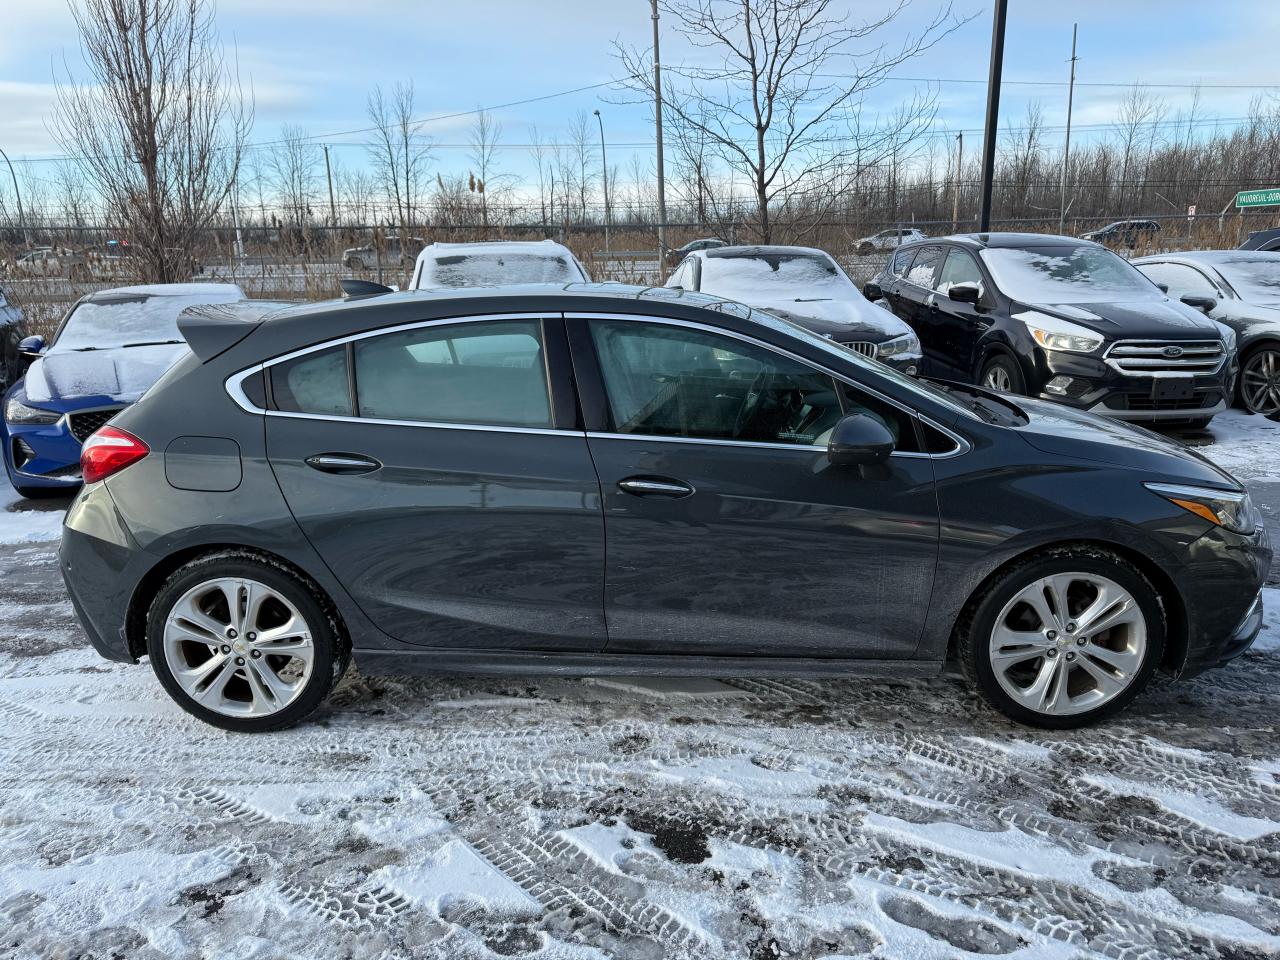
(1124, 233)
(1062, 319)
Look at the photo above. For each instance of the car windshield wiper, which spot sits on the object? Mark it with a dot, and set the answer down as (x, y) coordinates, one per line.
(147, 343)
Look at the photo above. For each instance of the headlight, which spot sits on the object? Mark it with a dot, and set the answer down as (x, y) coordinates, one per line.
(1053, 333)
(1228, 338)
(1233, 511)
(15, 411)
(907, 343)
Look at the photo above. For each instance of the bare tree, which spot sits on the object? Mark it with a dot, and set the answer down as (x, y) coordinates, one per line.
(787, 79)
(400, 152)
(159, 126)
(485, 135)
(294, 172)
(583, 149)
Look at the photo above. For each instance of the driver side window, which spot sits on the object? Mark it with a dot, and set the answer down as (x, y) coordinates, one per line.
(676, 382)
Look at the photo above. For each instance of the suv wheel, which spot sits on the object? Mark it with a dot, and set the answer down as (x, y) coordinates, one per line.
(1260, 380)
(1063, 639)
(243, 643)
(1001, 373)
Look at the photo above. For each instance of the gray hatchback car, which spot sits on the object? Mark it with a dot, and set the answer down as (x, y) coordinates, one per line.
(603, 479)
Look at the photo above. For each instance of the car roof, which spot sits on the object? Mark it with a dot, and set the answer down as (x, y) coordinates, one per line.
(996, 241)
(761, 250)
(495, 246)
(167, 290)
(1212, 256)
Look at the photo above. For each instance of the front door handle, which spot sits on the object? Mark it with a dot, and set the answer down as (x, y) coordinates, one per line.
(346, 463)
(654, 487)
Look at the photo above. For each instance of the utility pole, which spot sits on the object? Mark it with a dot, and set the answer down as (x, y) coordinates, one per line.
(993, 113)
(657, 116)
(26, 240)
(1066, 147)
(604, 166)
(955, 193)
(333, 209)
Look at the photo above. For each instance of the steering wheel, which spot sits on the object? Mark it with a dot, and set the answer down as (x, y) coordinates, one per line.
(751, 401)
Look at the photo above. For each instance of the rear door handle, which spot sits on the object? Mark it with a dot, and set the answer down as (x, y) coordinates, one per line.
(654, 487)
(348, 463)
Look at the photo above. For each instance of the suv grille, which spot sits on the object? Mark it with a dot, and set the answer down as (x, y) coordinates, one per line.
(83, 424)
(864, 347)
(1139, 357)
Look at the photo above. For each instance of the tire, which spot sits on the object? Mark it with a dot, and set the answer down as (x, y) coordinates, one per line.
(355, 263)
(239, 696)
(1133, 647)
(1259, 387)
(1003, 369)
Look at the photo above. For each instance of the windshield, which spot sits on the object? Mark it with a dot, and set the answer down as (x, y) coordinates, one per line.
(1256, 277)
(776, 276)
(135, 320)
(497, 269)
(1067, 274)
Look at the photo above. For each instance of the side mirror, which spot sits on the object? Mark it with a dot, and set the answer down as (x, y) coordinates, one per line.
(871, 290)
(859, 440)
(1200, 302)
(965, 293)
(31, 347)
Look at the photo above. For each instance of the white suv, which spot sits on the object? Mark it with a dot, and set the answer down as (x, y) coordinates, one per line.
(493, 263)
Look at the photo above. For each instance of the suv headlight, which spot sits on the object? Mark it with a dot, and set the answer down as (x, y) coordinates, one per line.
(1228, 509)
(15, 411)
(907, 343)
(1053, 333)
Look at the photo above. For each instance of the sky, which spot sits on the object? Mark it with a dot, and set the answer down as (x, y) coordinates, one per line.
(312, 63)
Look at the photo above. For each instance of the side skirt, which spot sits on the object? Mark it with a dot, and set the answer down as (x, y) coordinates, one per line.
(438, 660)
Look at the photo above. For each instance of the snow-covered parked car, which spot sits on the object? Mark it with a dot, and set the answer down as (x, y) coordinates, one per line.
(807, 287)
(494, 263)
(389, 253)
(887, 240)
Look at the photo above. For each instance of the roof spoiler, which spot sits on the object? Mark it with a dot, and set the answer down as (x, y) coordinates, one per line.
(210, 329)
(352, 287)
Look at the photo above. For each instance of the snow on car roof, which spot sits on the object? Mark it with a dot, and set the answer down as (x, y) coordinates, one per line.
(170, 290)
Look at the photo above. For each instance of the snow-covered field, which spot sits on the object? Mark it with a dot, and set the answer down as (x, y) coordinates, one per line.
(459, 817)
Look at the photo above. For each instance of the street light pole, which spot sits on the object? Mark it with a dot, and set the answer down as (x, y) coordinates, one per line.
(604, 166)
(993, 113)
(657, 116)
(26, 241)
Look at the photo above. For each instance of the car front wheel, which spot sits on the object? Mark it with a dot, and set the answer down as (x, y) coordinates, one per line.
(244, 643)
(1260, 380)
(1001, 373)
(1063, 639)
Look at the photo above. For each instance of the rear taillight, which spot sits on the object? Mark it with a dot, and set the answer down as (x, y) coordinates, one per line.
(109, 451)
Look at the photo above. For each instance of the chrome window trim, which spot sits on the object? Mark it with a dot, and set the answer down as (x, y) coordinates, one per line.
(234, 386)
(962, 445)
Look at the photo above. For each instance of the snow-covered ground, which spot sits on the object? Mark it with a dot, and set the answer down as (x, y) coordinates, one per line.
(459, 817)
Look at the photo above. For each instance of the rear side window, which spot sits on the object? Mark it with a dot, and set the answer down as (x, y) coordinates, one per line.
(902, 261)
(921, 272)
(486, 373)
(313, 383)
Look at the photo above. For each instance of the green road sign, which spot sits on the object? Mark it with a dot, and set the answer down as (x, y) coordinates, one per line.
(1258, 198)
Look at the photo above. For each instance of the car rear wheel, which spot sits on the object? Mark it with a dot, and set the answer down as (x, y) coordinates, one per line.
(1063, 639)
(1260, 380)
(1001, 373)
(243, 643)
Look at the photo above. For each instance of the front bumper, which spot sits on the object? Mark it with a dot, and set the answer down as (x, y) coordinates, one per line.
(42, 455)
(1221, 587)
(1089, 383)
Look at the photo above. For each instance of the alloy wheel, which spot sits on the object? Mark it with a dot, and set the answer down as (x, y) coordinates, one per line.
(1260, 382)
(1068, 643)
(238, 647)
(997, 378)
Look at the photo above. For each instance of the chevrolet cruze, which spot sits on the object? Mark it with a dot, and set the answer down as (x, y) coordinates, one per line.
(603, 479)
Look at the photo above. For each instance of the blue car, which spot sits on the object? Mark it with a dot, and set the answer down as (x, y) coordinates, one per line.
(110, 347)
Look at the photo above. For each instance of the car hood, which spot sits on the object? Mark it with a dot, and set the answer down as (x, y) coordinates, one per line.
(841, 320)
(117, 373)
(1143, 320)
(1075, 434)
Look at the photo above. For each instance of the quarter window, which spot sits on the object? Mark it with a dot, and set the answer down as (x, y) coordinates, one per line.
(898, 422)
(676, 382)
(488, 373)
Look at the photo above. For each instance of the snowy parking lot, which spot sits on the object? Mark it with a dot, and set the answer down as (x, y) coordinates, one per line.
(460, 817)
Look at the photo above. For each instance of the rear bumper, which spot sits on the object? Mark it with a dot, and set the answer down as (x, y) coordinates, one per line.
(99, 562)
